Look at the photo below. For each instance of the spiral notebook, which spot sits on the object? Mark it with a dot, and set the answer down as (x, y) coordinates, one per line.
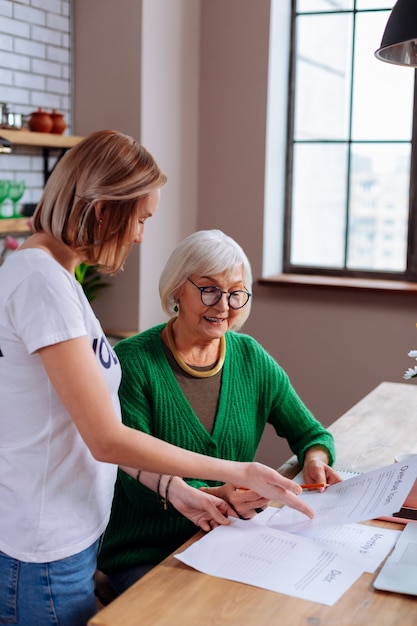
(342, 473)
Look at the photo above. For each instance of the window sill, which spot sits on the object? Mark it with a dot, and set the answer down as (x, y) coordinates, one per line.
(338, 282)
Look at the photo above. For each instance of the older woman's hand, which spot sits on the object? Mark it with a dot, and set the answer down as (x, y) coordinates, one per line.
(203, 509)
(245, 502)
(316, 469)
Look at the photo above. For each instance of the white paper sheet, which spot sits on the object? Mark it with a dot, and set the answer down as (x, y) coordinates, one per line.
(367, 496)
(319, 559)
(271, 559)
(369, 544)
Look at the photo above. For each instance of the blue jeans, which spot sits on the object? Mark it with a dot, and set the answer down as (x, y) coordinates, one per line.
(59, 593)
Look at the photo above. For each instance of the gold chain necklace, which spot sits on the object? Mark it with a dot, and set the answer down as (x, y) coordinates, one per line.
(183, 365)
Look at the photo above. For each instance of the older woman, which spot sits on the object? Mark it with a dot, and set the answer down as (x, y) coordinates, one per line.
(197, 383)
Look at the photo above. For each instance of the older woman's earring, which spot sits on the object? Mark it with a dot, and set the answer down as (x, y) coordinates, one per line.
(176, 309)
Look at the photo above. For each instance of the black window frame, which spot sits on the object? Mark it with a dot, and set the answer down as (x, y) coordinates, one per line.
(410, 272)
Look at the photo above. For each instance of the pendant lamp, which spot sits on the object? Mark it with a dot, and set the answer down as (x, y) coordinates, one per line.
(399, 41)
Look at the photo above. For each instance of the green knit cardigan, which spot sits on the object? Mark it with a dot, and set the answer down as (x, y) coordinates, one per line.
(254, 390)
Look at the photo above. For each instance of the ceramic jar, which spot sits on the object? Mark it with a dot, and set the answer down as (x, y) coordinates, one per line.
(58, 122)
(40, 121)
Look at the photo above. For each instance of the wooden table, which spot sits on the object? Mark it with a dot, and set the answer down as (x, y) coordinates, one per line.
(368, 436)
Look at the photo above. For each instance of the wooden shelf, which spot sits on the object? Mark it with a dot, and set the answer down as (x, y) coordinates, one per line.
(45, 141)
(41, 140)
(14, 225)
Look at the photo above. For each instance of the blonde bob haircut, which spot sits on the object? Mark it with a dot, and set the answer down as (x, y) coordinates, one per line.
(107, 167)
(205, 252)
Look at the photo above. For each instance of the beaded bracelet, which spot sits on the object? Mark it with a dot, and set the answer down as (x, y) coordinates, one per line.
(163, 499)
(166, 500)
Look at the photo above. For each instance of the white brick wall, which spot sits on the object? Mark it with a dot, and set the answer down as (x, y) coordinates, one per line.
(35, 71)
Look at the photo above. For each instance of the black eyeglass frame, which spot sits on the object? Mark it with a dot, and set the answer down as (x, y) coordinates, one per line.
(202, 290)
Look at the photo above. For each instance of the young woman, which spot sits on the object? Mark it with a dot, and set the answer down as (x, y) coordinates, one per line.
(61, 437)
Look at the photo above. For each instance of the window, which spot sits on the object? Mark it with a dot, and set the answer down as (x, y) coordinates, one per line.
(349, 208)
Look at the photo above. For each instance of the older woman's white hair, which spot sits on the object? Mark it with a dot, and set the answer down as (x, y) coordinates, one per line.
(205, 252)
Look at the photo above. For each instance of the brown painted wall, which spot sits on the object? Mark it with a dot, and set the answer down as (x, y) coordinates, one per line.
(335, 345)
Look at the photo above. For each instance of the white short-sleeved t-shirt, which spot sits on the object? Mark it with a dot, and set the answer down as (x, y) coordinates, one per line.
(55, 498)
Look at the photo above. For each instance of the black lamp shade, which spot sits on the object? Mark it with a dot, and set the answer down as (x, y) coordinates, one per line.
(399, 41)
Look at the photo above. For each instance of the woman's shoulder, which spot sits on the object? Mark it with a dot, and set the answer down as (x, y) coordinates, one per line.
(33, 274)
(244, 345)
(32, 262)
(248, 347)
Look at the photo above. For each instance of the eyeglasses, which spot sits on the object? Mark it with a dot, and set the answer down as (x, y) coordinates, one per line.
(212, 295)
